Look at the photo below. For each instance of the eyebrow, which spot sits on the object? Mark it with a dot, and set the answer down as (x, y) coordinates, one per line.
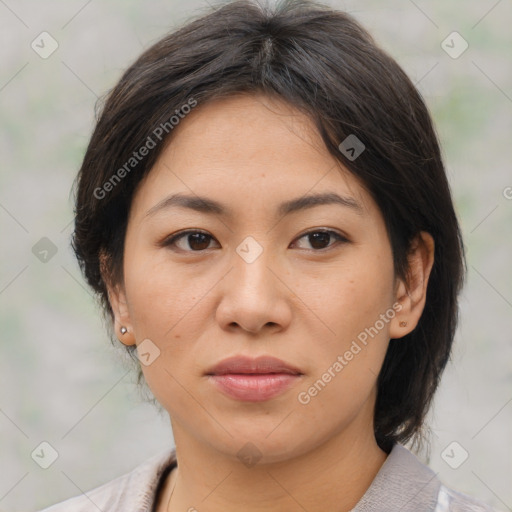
(212, 207)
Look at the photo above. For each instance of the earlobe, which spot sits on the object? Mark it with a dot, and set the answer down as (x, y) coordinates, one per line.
(117, 298)
(126, 336)
(122, 322)
(411, 293)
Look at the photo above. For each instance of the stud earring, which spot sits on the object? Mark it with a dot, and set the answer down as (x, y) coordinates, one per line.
(403, 324)
(124, 330)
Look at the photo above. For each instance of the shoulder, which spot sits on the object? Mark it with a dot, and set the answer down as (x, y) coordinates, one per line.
(446, 499)
(134, 491)
(406, 483)
(450, 500)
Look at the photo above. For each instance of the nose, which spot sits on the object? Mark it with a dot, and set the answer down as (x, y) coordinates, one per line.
(253, 297)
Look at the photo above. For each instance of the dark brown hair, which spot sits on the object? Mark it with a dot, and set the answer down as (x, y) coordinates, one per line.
(322, 62)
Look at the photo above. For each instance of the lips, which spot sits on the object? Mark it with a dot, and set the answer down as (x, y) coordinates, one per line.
(253, 379)
(247, 365)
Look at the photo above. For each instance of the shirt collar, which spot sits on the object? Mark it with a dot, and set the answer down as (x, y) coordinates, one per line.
(403, 484)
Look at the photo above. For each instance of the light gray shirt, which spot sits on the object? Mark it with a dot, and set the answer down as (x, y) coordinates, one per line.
(403, 484)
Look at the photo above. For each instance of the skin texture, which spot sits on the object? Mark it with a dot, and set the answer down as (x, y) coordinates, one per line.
(302, 304)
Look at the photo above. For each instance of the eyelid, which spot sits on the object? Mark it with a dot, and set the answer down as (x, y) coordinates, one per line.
(340, 238)
(170, 240)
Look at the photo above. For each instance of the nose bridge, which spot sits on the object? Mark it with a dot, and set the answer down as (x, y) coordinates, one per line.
(251, 272)
(251, 297)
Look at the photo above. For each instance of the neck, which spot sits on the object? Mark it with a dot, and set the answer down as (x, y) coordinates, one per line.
(333, 476)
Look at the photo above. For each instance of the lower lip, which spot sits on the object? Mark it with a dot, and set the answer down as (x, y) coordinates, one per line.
(254, 387)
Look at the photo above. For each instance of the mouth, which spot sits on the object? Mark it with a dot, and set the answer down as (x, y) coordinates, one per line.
(253, 379)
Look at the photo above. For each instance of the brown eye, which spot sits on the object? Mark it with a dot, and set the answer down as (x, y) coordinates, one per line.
(320, 239)
(198, 241)
(190, 241)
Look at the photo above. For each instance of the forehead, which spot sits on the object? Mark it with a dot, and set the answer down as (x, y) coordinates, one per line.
(247, 149)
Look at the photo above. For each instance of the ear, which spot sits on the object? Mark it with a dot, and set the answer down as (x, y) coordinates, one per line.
(411, 293)
(118, 302)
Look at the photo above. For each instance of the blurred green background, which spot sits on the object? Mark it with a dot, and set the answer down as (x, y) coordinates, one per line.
(62, 382)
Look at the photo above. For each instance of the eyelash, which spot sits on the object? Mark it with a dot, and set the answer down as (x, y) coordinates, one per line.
(168, 242)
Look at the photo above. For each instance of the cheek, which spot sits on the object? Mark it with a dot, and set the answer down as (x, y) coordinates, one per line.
(355, 295)
(353, 305)
(171, 306)
(160, 297)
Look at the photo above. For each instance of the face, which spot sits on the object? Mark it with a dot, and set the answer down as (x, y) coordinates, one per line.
(257, 268)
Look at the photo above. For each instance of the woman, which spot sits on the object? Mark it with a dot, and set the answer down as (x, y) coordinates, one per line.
(264, 213)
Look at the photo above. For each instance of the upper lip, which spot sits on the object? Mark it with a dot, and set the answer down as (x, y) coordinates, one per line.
(245, 364)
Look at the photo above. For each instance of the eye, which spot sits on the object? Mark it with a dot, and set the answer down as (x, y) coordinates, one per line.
(196, 241)
(320, 238)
